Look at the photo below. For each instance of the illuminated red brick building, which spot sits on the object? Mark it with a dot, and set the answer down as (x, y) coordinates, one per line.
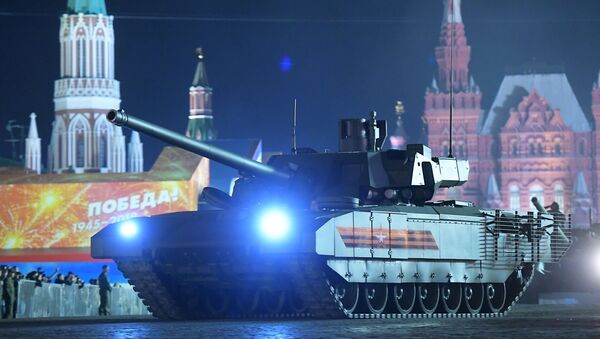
(534, 140)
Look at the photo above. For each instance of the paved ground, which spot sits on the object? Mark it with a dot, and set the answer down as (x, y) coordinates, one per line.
(526, 321)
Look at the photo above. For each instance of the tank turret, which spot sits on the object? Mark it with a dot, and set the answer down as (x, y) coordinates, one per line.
(360, 174)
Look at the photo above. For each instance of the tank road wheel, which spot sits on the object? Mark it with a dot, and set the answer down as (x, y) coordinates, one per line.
(429, 297)
(217, 302)
(495, 295)
(273, 300)
(376, 296)
(347, 294)
(405, 297)
(247, 300)
(473, 297)
(451, 297)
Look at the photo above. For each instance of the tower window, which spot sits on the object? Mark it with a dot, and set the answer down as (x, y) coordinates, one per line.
(79, 145)
(531, 149)
(557, 149)
(514, 149)
(81, 56)
(100, 58)
(581, 148)
(540, 149)
(59, 148)
(103, 145)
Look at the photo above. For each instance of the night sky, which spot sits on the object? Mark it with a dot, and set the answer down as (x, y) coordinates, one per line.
(339, 58)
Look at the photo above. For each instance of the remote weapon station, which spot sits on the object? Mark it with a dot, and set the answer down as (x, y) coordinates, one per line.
(347, 234)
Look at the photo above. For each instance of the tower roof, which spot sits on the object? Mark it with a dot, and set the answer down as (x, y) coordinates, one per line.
(33, 132)
(453, 54)
(554, 87)
(451, 12)
(200, 77)
(492, 187)
(135, 138)
(434, 85)
(86, 7)
(580, 185)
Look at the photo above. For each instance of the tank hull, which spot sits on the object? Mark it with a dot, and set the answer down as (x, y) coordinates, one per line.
(385, 262)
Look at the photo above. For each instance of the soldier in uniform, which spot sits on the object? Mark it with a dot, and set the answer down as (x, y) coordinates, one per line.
(8, 295)
(16, 277)
(105, 289)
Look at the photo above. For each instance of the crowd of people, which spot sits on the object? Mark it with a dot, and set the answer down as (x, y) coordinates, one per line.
(40, 277)
(10, 277)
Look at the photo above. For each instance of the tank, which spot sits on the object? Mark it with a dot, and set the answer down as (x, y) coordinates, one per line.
(348, 234)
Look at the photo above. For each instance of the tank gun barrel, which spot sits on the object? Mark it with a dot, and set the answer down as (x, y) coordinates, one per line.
(120, 118)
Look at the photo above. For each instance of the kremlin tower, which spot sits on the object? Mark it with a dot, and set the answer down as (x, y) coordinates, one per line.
(453, 55)
(200, 125)
(82, 140)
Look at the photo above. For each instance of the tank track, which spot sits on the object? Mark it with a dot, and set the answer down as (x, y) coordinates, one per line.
(151, 289)
(311, 283)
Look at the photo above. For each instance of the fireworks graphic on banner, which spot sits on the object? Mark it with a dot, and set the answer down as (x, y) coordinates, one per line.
(62, 214)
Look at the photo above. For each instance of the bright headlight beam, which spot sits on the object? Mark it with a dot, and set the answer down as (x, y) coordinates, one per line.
(128, 229)
(274, 224)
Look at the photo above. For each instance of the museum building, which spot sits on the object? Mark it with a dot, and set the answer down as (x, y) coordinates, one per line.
(534, 141)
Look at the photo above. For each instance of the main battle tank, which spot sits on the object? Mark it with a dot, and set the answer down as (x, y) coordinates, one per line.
(327, 235)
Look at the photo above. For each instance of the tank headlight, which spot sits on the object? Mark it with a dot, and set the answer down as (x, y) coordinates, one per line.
(128, 229)
(274, 224)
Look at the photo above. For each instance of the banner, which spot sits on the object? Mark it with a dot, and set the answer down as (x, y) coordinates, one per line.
(49, 212)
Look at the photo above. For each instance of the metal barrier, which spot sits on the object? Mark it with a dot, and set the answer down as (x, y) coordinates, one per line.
(55, 300)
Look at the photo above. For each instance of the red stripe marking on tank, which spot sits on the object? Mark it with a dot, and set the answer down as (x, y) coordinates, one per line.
(400, 247)
(393, 240)
(395, 243)
(383, 237)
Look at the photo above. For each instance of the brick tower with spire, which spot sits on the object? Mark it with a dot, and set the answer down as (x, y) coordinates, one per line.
(534, 141)
(200, 125)
(453, 55)
(82, 140)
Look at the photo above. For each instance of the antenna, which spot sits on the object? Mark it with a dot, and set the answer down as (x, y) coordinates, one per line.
(451, 76)
(294, 148)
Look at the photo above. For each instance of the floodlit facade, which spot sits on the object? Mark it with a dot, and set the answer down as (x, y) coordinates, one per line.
(534, 140)
(82, 139)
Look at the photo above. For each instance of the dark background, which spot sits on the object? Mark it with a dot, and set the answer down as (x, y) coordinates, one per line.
(348, 57)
